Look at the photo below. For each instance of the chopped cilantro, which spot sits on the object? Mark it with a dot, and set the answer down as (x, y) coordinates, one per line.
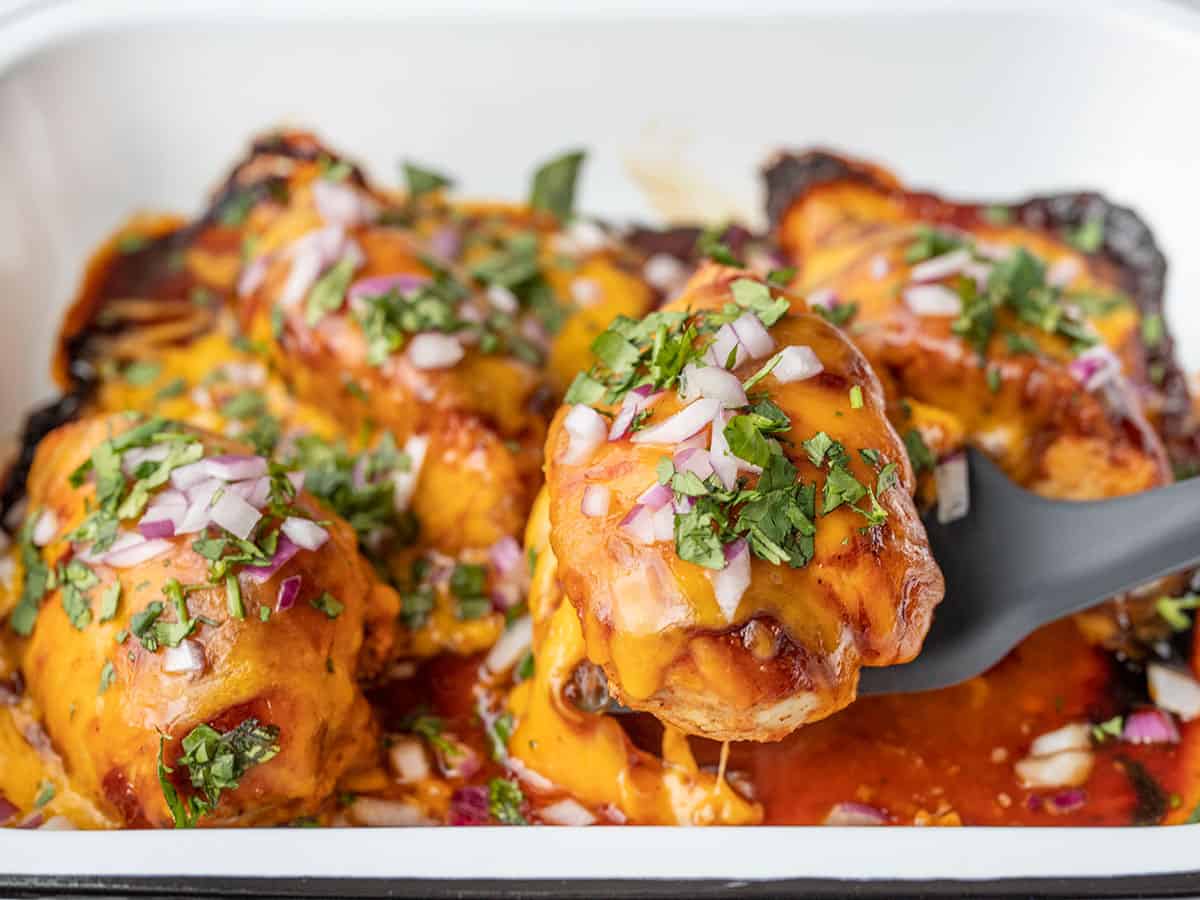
(142, 372)
(35, 581)
(505, 801)
(1019, 343)
(107, 675)
(109, 600)
(997, 215)
(431, 728)
(709, 245)
(45, 794)
(756, 297)
(553, 187)
(422, 181)
(215, 762)
(131, 243)
(1172, 610)
(499, 730)
(75, 580)
(931, 242)
(328, 294)
(994, 379)
(1111, 728)
(525, 667)
(327, 604)
(173, 388)
(1088, 237)
(781, 277)
(1152, 330)
(839, 314)
(919, 454)
(233, 597)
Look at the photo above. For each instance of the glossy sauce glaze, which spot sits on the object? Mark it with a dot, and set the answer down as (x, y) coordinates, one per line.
(467, 735)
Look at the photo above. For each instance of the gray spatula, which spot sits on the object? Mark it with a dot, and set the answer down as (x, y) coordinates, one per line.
(1018, 561)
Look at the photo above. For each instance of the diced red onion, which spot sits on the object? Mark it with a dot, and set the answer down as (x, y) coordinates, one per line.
(698, 440)
(796, 363)
(190, 475)
(445, 243)
(1174, 690)
(378, 285)
(1074, 736)
(198, 514)
(940, 266)
(724, 342)
(511, 646)
(338, 203)
(434, 350)
(255, 491)
(586, 430)
(502, 299)
(188, 656)
(953, 488)
(234, 514)
(158, 528)
(7, 810)
(310, 254)
(288, 593)
(130, 549)
(1150, 726)
(825, 298)
(566, 812)
(235, 468)
(1095, 367)
(304, 533)
(296, 479)
(694, 460)
(45, 528)
(1066, 801)
(456, 759)
(1063, 272)
(683, 504)
(664, 272)
(596, 499)
(408, 760)
(692, 418)
(637, 400)
(57, 823)
(753, 335)
(376, 813)
(730, 583)
(712, 382)
(980, 271)
(639, 524)
(880, 267)
(132, 458)
(253, 275)
(932, 300)
(663, 522)
(505, 555)
(404, 483)
(469, 806)
(994, 252)
(855, 814)
(656, 497)
(585, 292)
(1068, 768)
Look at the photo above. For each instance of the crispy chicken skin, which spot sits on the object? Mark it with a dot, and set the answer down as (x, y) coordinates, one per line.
(856, 236)
(106, 704)
(791, 650)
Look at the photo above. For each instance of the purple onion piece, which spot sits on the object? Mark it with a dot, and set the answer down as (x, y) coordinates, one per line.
(289, 591)
(469, 806)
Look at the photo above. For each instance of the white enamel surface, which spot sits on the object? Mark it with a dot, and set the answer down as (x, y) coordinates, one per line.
(106, 107)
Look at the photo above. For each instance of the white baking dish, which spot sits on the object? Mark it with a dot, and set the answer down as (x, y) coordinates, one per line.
(106, 107)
